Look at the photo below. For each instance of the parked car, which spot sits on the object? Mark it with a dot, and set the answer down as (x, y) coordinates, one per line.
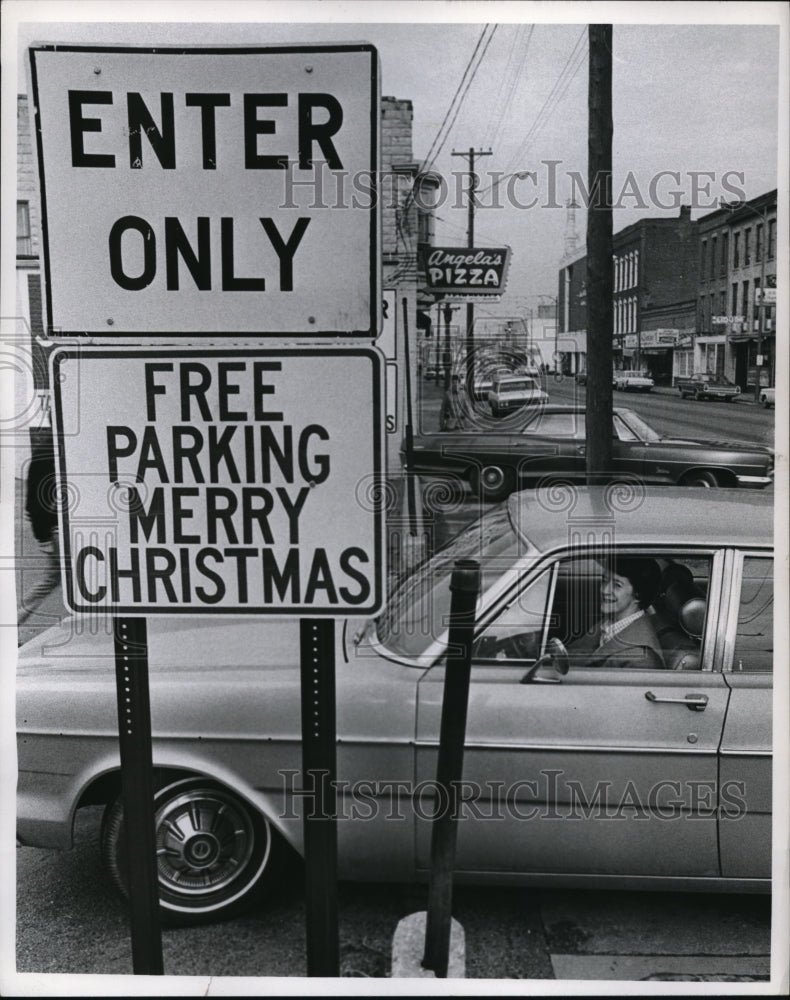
(707, 385)
(632, 381)
(432, 373)
(511, 392)
(768, 397)
(551, 442)
(483, 380)
(632, 777)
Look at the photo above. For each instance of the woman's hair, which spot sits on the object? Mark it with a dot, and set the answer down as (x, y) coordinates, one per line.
(643, 574)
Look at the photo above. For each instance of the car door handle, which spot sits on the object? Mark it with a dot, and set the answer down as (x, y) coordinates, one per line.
(581, 449)
(694, 702)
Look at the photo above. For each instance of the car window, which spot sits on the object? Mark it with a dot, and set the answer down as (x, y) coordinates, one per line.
(668, 635)
(557, 425)
(754, 646)
(517, 632)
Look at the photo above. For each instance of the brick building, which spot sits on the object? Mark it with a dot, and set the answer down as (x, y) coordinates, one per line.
(654, 286)
(737, 259)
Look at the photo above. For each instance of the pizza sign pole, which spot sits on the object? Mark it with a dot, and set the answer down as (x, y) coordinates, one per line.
(204, 478)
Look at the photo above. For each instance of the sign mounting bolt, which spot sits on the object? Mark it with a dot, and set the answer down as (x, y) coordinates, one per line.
(110, 321)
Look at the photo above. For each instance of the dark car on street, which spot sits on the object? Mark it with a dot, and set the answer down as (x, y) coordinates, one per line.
(706, 385)
(551, 443)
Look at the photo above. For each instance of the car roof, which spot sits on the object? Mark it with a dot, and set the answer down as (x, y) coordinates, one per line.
(630, 513)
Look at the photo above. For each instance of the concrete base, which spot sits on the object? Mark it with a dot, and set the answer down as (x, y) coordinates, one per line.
(408, 946)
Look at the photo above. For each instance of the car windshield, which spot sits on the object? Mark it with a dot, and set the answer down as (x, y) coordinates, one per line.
(416, 613)
(629, 427)
(517, 385)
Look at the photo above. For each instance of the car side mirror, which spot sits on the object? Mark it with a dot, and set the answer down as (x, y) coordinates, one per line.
(555, 657)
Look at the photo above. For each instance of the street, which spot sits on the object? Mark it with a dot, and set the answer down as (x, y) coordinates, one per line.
(70, 920)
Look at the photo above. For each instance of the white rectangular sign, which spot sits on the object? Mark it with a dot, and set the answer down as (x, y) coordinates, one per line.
(221, 480)
(209, 190)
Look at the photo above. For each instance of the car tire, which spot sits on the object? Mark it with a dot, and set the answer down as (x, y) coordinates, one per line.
(214, 850)
(493, 482)
(701, 477)
(699, 396)
(766, 405)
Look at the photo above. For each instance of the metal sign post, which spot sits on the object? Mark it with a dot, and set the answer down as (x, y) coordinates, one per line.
(465, 587)
(319, 773)
(134, 728)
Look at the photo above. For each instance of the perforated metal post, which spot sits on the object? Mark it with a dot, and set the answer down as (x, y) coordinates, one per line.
(319, 772)
(465, 587)
(134, 729)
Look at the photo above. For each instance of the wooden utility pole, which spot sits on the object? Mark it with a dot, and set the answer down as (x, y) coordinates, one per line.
(470, 242)
(599, 256)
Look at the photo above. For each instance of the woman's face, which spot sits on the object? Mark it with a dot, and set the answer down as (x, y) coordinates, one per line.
(618, 599)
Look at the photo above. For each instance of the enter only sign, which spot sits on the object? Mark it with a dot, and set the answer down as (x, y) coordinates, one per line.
(205, 191)
(221, 481)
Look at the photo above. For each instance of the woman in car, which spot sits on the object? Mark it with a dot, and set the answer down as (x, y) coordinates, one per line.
(624, 636)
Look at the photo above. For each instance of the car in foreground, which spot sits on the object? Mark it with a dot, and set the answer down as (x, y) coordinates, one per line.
(706, 385)
(511, 392)
(632, 381)
(574, 775)
(550, 441)
(768, 397)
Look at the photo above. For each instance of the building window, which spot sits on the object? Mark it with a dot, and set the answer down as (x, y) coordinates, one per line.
(685, 362)
(723, 303)
(636, 267)
(771, 238)
(701, 318)
(736, 250)
(735, 298)
(745, 301)
(758, 242)
(747, 247)
(725, 248)
(713, 257)
(703, 250)
(24, 242)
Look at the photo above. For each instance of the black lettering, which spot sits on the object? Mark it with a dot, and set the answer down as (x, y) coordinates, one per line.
(241, 556)
(293, 510)
(208, 103)
(219, 453)
(310, 132)
(253, 127)
(79, 125)
(320, 469)
(183, 449)
(284, 456)
(116, 451)
(221, 504)
(261, 389)
(285, 251)
(216, 579)
(94, 596)
(181, 514)
(364, 584)
(251, 512)
(196, 389)
(133, 574)
(151, 456)
(147, 520)
(320, 578)
(119, 275)
(226, 389)
(140, 121)
(162, 572)
(152, 390)
(230, 283)
(289, 577)
(198, 265)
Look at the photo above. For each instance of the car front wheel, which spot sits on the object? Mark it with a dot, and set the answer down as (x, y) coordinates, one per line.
(492, 482)
(213, 850)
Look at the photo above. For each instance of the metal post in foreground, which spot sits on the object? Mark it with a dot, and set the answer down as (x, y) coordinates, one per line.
(134, 729)
(319, 773)
(465, 587)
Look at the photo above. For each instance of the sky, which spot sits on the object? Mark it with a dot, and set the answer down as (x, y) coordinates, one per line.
(696, 106)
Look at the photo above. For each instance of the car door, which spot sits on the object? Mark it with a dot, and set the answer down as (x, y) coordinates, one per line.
(746, 748)
(606, 772)
(552, 443)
